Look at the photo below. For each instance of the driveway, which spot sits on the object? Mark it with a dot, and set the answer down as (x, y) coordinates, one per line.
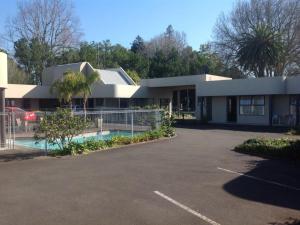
(194, 178)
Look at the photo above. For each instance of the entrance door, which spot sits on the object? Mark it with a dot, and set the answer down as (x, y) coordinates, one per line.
(231, 109)
(205, 104)
(295, 108)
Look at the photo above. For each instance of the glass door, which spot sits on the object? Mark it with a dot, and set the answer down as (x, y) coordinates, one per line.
(231, 109)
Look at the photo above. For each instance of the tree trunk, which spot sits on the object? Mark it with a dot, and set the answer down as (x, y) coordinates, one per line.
(71, 107)
(84, 107)
(261, 71)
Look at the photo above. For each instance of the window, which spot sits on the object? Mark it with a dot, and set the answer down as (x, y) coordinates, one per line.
(245, 100)
(26, 103)
(252, 105)
(124, 103)
(99, 102)
(258, 100)
(164, 103)
(295, 100)
(187, 100)
(295, 108)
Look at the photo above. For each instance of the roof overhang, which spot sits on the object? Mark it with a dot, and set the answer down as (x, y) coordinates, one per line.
(180, 80)
(251, 86)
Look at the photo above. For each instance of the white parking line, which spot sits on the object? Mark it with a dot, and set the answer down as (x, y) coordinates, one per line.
(186, 208)
(260, 179)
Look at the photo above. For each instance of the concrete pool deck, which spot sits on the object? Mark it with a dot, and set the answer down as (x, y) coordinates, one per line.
(123, 186)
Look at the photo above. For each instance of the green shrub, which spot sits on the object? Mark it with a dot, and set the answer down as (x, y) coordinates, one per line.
(155, 134)
(121, 140)
(167, 125)
(134, 76)
(294, 131)
(281, 148)
(60, 127)
(74, 148)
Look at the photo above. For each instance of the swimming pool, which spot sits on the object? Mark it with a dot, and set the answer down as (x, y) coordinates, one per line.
(105, 135)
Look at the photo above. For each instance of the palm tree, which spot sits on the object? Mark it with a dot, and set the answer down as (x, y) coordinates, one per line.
(260, 50)
(66, 87)
(84, 86)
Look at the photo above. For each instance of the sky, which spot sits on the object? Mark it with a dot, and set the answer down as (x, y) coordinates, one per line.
(122, 20)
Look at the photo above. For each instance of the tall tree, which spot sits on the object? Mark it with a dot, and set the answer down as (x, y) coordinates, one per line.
(167, 42)
(32, 55)
(15, 74)
(88, 52)
(66, 88)
(69, 56)
(282, 16)
(51, 22)
(260, 51)
(165, 64)
(84, 86)
(134, 76)
(138, 45)
(45, 23)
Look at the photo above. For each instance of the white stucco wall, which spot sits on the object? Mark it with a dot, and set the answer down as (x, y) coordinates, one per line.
(99, 90)
(257, 86)
(3, 70)
(281, 105)
(293, 85)
(181, 80)
(219, 108)
(27, 91)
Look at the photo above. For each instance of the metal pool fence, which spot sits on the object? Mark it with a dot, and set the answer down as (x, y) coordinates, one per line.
(21, 126)
(7, 131)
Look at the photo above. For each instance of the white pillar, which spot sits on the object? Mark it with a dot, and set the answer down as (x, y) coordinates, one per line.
(2, 118)
(170, 106)
(3, 85)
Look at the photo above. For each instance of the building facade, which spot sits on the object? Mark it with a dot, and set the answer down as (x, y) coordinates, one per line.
(213, 99)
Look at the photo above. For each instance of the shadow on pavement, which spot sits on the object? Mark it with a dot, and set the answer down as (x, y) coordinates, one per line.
(194, 124)
(283, 172)
(15, 155)
(290, 221)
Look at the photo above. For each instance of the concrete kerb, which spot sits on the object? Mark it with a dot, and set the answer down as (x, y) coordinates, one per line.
(115, 147)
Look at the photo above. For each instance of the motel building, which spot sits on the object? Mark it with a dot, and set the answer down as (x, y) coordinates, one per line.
(269, 101)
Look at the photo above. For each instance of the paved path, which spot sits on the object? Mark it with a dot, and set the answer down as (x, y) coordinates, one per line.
(185, 180)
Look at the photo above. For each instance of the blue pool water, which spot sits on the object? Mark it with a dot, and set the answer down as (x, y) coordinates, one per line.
(31, 143)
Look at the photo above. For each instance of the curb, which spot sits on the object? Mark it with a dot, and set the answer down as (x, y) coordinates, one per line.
(115, 147)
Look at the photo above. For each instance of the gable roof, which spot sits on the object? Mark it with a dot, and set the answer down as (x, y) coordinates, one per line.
(115, 76)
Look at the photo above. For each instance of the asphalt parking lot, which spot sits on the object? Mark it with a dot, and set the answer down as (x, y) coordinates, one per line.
(194, 178)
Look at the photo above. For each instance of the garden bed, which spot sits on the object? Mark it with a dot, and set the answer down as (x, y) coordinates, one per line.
(88, 146)
(271, 148)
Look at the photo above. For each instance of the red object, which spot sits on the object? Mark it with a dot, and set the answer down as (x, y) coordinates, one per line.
(22, 114)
